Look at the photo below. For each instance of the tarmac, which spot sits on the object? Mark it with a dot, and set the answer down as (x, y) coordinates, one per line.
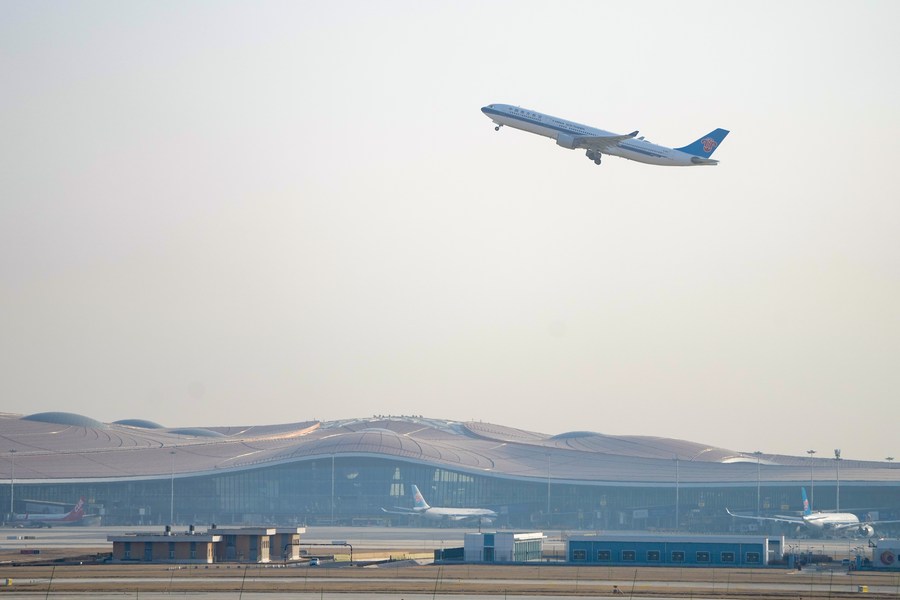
(405, 576)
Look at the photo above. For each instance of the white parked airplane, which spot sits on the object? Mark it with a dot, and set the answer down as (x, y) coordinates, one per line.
(597, 142)
(833, 522)
(437, 513)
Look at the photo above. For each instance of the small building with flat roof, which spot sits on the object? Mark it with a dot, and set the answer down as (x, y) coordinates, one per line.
(244, 544)
(675, 550)
(285, 544)
(886, 554)
(503, 547)
(165, 548)
(232, 544)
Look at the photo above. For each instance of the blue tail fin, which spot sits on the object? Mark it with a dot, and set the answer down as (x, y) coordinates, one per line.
(706, 145)
(806, 509)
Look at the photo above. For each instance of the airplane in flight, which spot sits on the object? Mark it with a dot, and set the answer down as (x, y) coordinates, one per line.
(826, 522)
(73, 517)
(597, 142)
(438, 513)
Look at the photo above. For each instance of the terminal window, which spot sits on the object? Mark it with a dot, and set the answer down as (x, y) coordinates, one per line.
(652, 555)
(753, 557)
(628, 555)
(678, 556)
(604, 555)
(728, 557)
(703, 557)
(579, 554)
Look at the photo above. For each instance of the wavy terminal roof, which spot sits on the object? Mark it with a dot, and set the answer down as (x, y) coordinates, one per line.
(66, 447)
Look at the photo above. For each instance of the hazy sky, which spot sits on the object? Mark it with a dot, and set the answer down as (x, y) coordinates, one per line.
(236, 213)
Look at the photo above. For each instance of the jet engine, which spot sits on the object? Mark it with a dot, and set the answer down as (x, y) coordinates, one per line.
(566, 140)
(866, 531)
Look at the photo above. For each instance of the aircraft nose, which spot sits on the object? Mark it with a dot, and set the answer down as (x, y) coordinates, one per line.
(484, 109)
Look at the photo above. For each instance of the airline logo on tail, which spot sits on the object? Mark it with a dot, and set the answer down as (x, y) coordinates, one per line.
(76, 513)
(806, 509)
(709, 144)
(418, 498)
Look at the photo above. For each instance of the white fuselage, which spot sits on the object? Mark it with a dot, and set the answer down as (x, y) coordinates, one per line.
(455, 514)
(76, 515)
(548, 126)
(47, 519)
(823, 520)
(440, 513)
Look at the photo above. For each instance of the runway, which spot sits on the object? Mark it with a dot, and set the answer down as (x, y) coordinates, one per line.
(544, 580)
(362, 538)
(408, 539)
(435, 583)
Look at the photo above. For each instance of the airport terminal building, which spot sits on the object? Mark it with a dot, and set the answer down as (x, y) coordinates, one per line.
(346, 472)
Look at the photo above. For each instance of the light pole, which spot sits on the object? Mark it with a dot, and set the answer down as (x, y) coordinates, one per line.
(12, 483)
(172, 492)
(837, 462)
(757, 454)
(676, 493)
(332, 490)
(548, 489)
(812, 489)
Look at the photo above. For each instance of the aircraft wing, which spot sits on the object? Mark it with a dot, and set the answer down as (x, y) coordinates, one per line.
(601, 143)
(840, 527)
(877, 522)
(776, 518)
(397, 510)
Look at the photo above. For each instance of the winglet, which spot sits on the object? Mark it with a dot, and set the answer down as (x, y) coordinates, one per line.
(633, 133)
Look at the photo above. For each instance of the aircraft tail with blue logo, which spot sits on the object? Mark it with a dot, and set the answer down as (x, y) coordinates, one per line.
(806, 509)
(418, 499)
(705, 146)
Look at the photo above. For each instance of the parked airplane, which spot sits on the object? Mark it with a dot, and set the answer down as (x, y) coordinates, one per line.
(437, 513)
(828, 522)
(73, 517)
(597, 142)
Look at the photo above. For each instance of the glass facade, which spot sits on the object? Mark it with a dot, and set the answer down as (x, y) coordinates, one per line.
(350, 490)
